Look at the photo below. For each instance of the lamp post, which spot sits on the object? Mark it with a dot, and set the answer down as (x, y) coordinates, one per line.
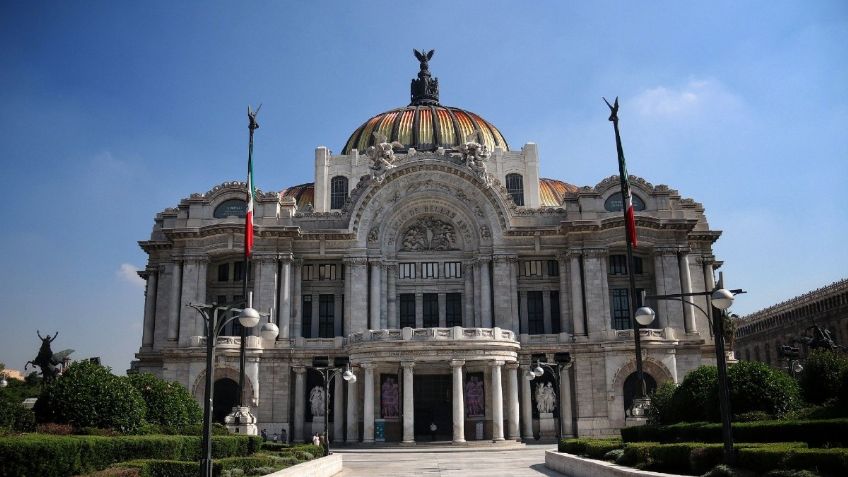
(561, 361)
(3, 382)
(214, 324)
(328, 373)
(720, 299)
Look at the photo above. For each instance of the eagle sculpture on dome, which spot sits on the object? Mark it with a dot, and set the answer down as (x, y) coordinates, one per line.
(424, 58)
(382, 156)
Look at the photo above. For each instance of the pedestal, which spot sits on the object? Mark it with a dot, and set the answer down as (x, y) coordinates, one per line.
(547, 425)
(380, 430)
(241, 421)
(317, 425)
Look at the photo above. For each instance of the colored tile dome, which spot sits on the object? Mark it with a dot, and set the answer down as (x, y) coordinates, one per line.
(425, 124)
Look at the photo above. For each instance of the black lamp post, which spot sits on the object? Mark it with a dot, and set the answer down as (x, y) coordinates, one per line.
(214, 323)
(561, 361)
(720, 299)
(328, 373)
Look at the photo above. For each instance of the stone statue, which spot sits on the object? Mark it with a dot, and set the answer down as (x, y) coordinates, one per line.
(49, 362)
(474, 398)
(316, 401)
(474, 155)
(389, 399)
(429, 233)
(382, 156)
(424, 58)
(545, 398)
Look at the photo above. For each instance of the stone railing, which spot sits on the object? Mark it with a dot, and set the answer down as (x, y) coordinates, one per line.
(645, 334)
(433, 334)
(227, 342)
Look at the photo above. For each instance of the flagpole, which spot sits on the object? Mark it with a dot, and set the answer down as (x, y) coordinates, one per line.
(252, 126)
(623, 183)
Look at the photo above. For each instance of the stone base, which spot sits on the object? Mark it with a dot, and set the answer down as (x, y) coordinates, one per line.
(241, 421)
(547, 425)
(317, 425)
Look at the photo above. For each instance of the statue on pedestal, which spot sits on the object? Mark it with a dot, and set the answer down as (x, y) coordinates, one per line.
(316, 401)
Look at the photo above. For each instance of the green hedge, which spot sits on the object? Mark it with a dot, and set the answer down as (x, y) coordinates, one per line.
(178, 468)
(827, 462)
(818, 433)
(49, 455)
(591, 448)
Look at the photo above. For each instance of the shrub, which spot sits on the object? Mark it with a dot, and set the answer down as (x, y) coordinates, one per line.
(823, 375)
(831, 432)
(14, 416)
(592, 448)
(757, 387)
(89, 395)
(764, 459)
(696, 399)
(662, 406)
(167, 403)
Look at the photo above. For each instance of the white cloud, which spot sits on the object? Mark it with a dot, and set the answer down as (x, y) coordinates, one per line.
(129, 273)
(695, 97)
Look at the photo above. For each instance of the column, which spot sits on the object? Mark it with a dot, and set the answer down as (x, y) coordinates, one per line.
(299, 410)
(297, 300)
(595, 276)
(419, 309)
(384, 296)
(485, 293)
(478, 313)
(513, 292)
(546, 311)
(686, 287)
(374, 302)
(408, 404)
(442, 309)
(193, 287)
(563, 296)
(352, 398)
(468, 295)
(497, 402)
(512, 401)
(577, 313)
(368, 408)
(284, 298)
(164, 304)
(265, 288)
(338, 407)
(200, 295)
(348, 293)
(149, 308)
(566, 418)
(358, 294)
(671, 279)
(502, 291)
(391, 296)
(338, 314)
(525, 324)
(526, 409)
(458, 402)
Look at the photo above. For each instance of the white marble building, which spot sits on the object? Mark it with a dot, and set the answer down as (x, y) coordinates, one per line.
(434, 275)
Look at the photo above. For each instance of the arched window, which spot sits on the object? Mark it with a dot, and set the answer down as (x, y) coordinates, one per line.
(230, 208)
(631, 388)
(515, 187)
(613, 202)
(338, 192)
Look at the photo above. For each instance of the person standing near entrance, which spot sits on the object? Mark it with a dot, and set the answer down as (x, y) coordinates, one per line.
(316, 441)
(433, 429)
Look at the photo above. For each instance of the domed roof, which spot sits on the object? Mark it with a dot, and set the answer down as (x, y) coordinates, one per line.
(425, 124)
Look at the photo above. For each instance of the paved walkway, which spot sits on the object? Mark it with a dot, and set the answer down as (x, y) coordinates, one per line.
(436, 461)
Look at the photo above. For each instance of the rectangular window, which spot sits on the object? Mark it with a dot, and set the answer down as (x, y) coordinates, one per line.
(307, 273)
(233, 328)
(430, 270)
(326, 315)
(553, 268)
(431, 310)
(224, 272)
(407, 310)
(555, 318)
(532, 268)
(453, 309)
(621, 310)
(453, 269)
(306, 328)
(618, 265)
(238, 271)
(407, 270)
(535, 313)
(327, 271)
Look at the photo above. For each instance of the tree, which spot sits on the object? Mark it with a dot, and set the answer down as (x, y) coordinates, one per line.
(822, 376)
(168, 403)
(89, 395)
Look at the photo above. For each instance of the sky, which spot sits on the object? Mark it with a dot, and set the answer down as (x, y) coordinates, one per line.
(114, 110)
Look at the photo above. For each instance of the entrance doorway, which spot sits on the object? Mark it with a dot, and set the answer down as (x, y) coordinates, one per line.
(224, 398)
(433, 405)
(632, 388)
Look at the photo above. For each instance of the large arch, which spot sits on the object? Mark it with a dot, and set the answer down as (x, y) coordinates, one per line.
(224, 372)
(615, 404)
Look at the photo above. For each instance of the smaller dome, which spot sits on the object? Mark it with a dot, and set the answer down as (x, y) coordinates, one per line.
(552, 191)
(302, 194)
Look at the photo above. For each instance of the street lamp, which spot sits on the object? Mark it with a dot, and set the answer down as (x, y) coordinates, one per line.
(328, 373)
(561, 361)
(3, 382)
(248, 318)
(721, 299)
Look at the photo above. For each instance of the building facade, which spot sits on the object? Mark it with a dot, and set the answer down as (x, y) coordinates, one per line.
(434, 257)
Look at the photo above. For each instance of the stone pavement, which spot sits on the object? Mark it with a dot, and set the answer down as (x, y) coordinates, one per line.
(435, 461)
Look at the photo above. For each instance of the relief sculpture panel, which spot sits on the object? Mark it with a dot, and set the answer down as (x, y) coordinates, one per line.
(429, 233)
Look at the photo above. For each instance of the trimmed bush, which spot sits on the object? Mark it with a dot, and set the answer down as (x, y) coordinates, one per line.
(757, 387)
(168, 403)
(89, 395)
(828, 462)
(591, 448)
(818, 433)
(662, 404)
(823, 375)
(696, 399)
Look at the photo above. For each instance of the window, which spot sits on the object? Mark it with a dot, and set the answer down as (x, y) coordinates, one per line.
(621, 310)
(230, 208)
(307, 273)
(618, 265)
(306, 328)
(224, 272)
(238, 271)
(327, 271)
(326, 316)
(407, 310)
(515, 187)
(233, 328)
(407, 270)
(555, 318)
(613, 203)
(338, 192)
(553, 268)
(430, 270)
(431, 310)
(453, 309)
(535, 313)
(532, 268)
(453, 270)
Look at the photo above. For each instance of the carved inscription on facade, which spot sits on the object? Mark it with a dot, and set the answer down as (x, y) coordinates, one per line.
(428, 233)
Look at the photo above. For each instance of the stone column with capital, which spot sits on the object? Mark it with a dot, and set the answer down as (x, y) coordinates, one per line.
(149, 308)
(577, 312)
(526, 410)
(597, 298)
(485, 293)
(264, 288)
(512, 401)
(358, 296)
(502, 291)
(686, 287)
(297, 300)
(338, 407)
(513, 292)
(174, 307)
(391, 296)
(299, 409)
(368, 407)
(564, 305)
(408, 404)
(565, 414)
(458, 402)
(497, 402)
(374, 296)
(193, 291)
(352, 403)
(468, 295)
(285, 297)
(671, 280)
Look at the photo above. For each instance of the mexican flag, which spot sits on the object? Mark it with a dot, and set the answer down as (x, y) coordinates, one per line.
(628, 202)
(251, 195)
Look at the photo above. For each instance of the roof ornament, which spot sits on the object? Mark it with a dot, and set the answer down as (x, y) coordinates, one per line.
(474, 155)
(424, 90)
(382, 156)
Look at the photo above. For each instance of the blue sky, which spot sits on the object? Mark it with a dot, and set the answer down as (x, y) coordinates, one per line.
(112, 111)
